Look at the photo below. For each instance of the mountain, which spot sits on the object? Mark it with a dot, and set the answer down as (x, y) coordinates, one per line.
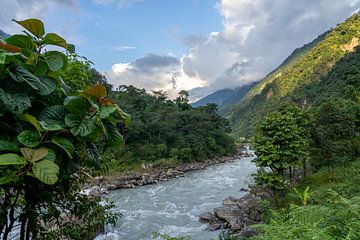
(3, 34)
(218, 97)
(297, 79)
(224, 97)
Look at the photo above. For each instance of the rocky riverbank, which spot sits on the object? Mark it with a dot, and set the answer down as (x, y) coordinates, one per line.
(236, 214)
(152, 175)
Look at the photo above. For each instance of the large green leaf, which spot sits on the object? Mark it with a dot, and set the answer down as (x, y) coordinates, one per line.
(8, 178)
(46, 171)
(21, 41)
(80, 125)
(21, 74)
(48, 85)
(51, 156)
(54, 39)
(7, 57)
(16, 102)
(53, 116)
(125, 116)
(34, 155)
(8, 146)
(32, 120)
(107, 110)
(114, 138)
(29, 138)
(76, 104)
(65, 144)
(55, 60)
(35, 26)
(11, 159)
(45, 85)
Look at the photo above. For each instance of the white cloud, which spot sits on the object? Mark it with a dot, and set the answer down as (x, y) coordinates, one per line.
(257, 36)
(20, 10)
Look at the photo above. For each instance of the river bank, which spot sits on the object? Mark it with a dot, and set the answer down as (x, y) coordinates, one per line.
(152, 175)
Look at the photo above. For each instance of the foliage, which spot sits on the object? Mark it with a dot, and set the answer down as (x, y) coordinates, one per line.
(330, 213)
(334, 132)
(42, 127)
(281, 143)
(168, 131)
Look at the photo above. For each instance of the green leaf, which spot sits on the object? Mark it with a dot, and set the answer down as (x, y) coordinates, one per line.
(16, 102)
(76, 104)
(52, 116)
(105, 111)
(21, 41)
(51, 156)
(35, 26)
(8, 146)
(71, 48)
(125, 116)
(114, 138)
(11, 159)
(34, 155)
(50, 127)
(41, 68)
(32, 120)
(65, 144)
(48, 85)
(29, 138)
(54, 39)
(46, 171)
(8, 178)
(55, 60)
(80, 126)
(21, 74)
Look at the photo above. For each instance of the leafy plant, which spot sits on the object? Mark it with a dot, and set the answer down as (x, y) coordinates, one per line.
(43, 125)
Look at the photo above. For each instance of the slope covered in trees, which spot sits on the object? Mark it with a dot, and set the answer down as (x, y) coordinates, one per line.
(303, 70)
(169, 131)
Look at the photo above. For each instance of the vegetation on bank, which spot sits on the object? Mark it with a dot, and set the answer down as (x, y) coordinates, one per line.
(167, 132)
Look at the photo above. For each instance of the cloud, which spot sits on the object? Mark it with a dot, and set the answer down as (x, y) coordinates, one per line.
(122, 48)
(153, 72)
(20, 10)
(257, 36)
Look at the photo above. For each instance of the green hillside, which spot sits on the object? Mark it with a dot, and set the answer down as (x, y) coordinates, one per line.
(296, 79)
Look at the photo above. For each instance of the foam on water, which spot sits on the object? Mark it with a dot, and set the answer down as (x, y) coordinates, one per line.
(173, 207)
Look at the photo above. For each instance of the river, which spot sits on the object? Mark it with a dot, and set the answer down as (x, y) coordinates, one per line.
(173, 207)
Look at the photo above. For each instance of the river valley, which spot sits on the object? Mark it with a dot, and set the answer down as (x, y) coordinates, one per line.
(173, 207)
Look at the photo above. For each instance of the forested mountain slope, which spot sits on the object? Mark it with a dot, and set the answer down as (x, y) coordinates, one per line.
(296, 79)
(225, 97)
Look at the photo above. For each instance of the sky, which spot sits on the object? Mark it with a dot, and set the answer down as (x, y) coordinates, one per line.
(170, 45)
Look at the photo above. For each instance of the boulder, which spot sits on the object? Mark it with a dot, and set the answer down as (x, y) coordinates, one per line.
(207, 217)
(229, 213)
(214, 227)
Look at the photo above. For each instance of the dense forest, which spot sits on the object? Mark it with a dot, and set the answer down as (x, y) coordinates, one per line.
(169, 131)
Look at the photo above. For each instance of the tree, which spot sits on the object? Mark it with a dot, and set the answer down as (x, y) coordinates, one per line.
(43, 127)
(334, 132)
(281, 143)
